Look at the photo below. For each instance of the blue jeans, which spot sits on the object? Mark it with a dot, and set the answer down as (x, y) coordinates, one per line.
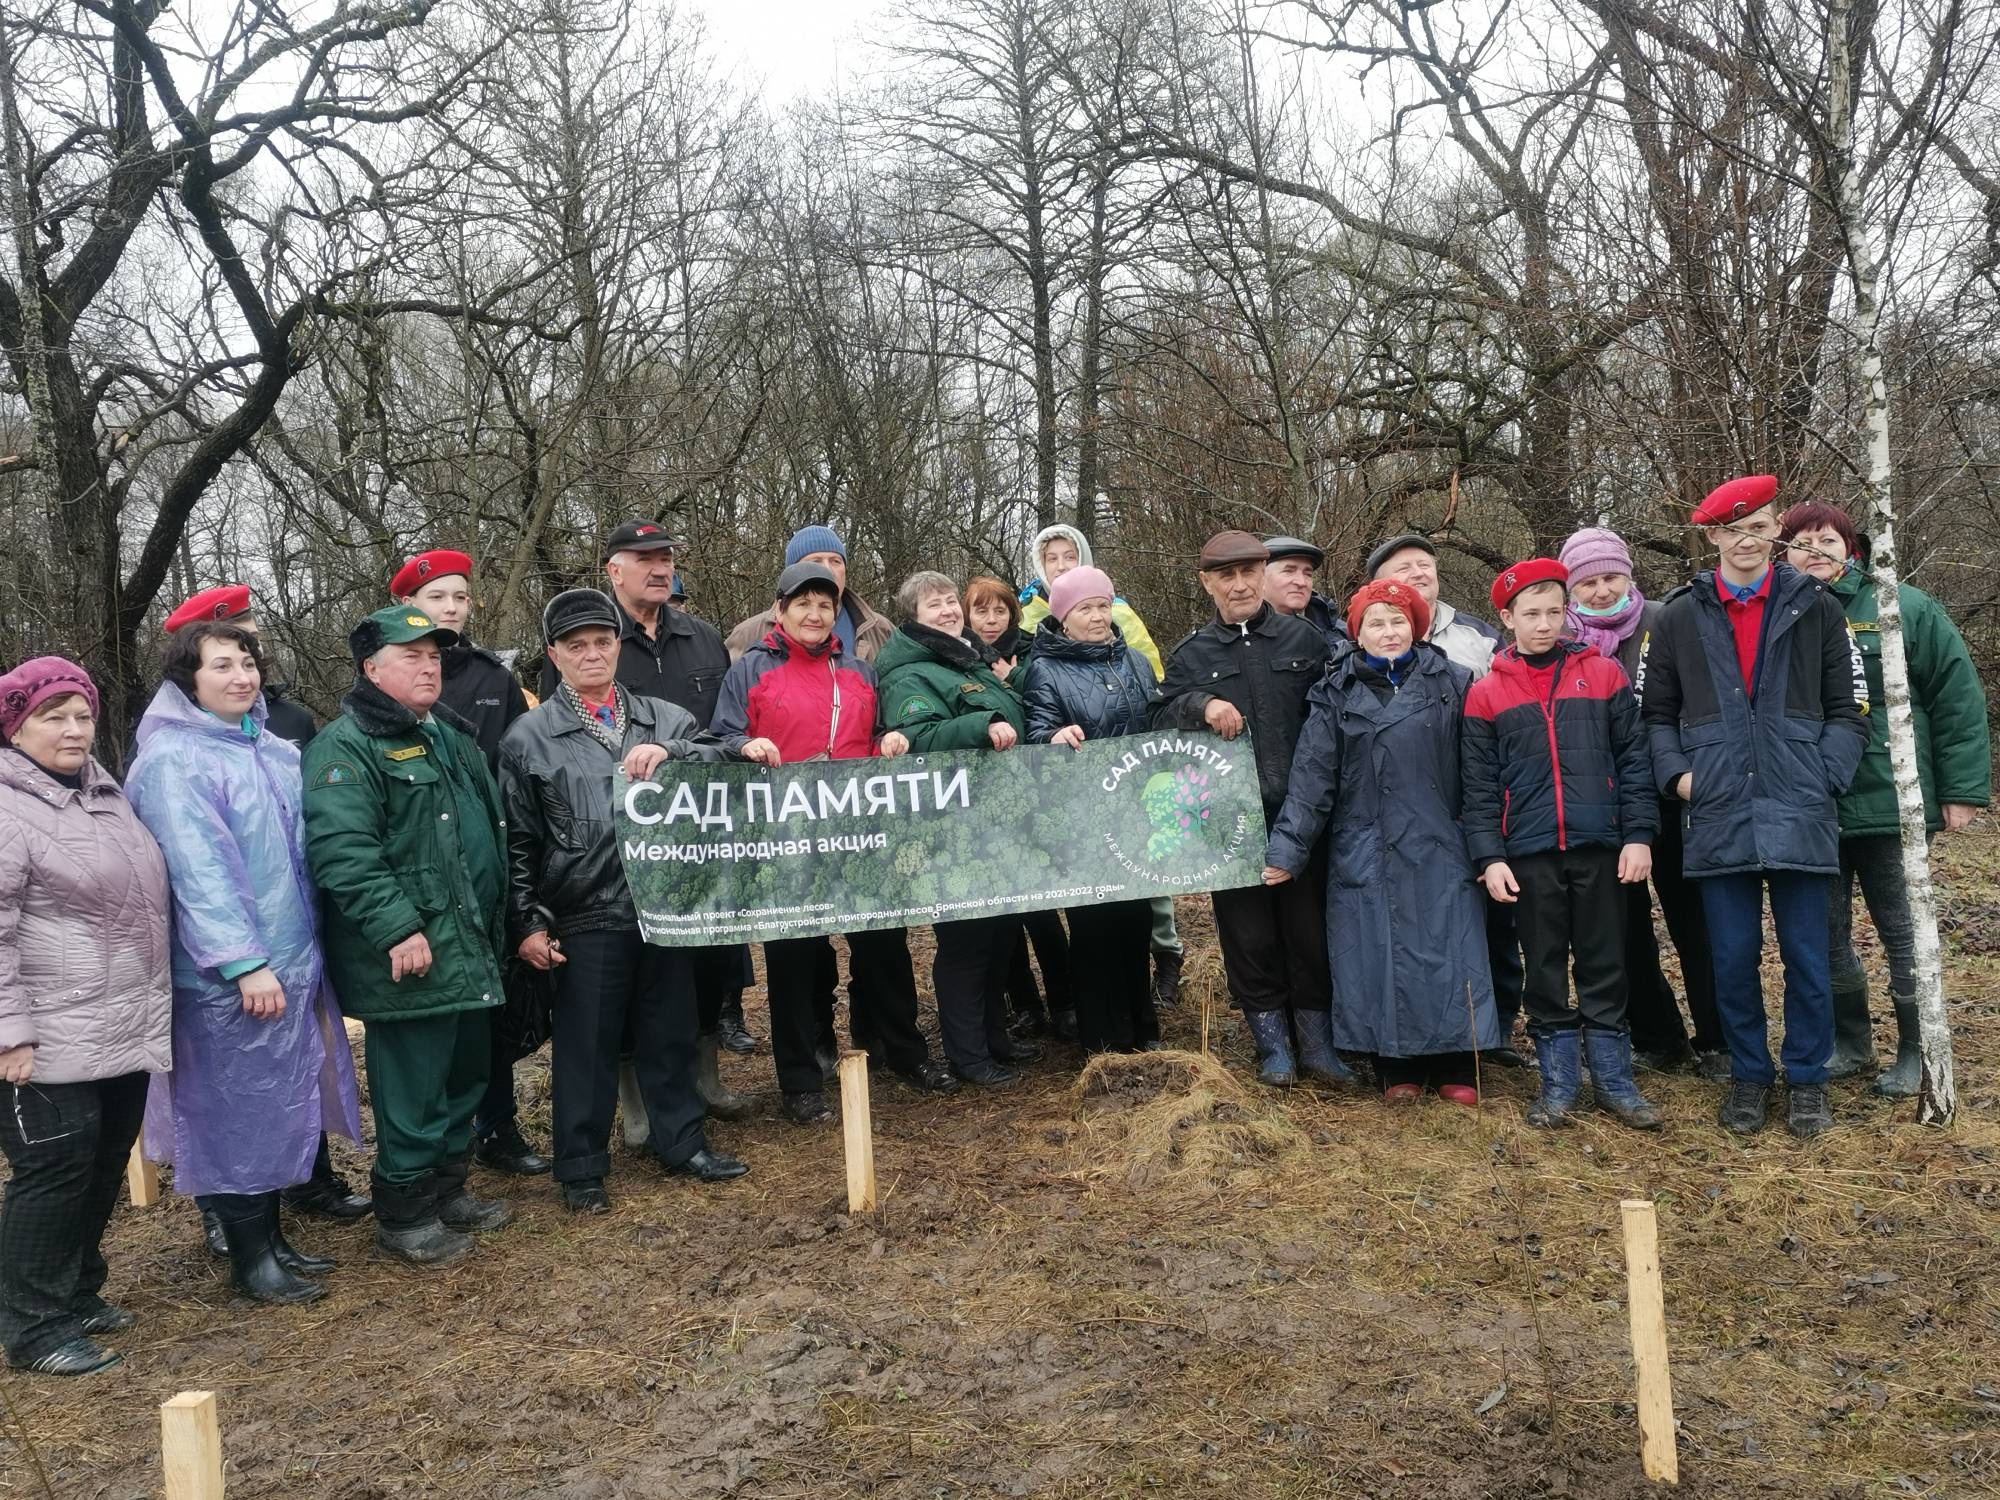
(1734, 905)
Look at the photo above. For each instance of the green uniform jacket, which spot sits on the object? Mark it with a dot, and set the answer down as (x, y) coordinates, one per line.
(383, 819)
(940, 693)
(1954, 752)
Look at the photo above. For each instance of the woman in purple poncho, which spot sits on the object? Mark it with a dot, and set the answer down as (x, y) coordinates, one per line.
(261, 1061)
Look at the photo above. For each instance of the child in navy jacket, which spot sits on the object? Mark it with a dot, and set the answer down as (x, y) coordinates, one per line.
(1559, 810)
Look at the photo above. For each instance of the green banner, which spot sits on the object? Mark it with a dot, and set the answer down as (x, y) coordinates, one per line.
(743, 853)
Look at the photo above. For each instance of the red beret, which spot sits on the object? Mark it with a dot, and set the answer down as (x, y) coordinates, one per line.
(1525, 575)
(1397, 596)
(1736, 499)
(224, 603)
(441, 562)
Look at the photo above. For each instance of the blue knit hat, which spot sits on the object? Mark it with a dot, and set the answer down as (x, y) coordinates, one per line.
(808, 540)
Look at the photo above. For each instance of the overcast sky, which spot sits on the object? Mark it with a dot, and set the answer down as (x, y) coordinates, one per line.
(795, 46)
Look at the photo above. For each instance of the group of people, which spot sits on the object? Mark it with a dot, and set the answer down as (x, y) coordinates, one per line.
(1457, 824)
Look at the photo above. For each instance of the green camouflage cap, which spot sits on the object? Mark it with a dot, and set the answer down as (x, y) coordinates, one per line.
(397, 625)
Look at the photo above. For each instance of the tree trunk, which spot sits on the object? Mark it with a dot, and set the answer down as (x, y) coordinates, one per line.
(1937, 1099)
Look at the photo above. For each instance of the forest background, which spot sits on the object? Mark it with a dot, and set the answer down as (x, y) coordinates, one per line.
(292, 290)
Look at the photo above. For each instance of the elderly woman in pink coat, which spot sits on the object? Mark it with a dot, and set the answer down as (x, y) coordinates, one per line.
(84, 1013)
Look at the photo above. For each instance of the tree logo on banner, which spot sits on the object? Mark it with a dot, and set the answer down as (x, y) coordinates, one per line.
(1177, 802)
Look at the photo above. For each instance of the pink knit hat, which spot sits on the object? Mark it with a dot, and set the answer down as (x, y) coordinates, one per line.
(1075, 586)
(1594, 550)
(34, 682)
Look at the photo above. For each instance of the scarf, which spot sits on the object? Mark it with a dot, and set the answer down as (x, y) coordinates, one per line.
(611, 736)
(960, 652)
(1610, 630)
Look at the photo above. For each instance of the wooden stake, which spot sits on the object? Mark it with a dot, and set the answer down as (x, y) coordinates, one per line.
(142, 1177)
(1649, 1340)
(859, 1129)
(191, 1447)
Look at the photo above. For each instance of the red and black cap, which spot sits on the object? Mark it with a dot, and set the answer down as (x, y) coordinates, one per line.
(638, 536)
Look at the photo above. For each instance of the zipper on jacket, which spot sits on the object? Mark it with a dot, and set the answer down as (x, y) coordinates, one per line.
(1555, 759)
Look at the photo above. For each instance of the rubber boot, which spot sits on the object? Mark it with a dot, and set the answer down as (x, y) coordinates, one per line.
(1317, 1059)
(211, 1233)
(1559, 1057)
(1853, 1039)
(1166, 977)
(1610, 1056)
(1902, 1078)
(632, 1121)
(297, 1261)
(720, 1101)
(462, 1209)
(1271, 1030)
(407, 1225)
(254, 1267)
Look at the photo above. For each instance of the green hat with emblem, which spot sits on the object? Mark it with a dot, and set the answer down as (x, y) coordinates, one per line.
(397, 625)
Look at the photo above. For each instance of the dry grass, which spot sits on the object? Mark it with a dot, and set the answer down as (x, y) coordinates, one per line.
(1154, 1278)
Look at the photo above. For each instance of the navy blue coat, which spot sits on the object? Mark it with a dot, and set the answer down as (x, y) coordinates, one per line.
(1766, 773)
(1106, 689)
(1406, 933)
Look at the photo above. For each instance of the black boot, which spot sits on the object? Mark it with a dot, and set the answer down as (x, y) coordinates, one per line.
(326, 1193)
(1166, 977)
(1902, 1078)
(729, 1027)
(460, 1208)
(254, 1267)
(211, 1231)
(407, 1224)
(297, 1261)
(505, 1149)
(1853, 1036)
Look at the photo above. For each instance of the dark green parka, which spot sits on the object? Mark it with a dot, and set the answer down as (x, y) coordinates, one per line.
(1954, 752)
(938, 690)
(405, 834)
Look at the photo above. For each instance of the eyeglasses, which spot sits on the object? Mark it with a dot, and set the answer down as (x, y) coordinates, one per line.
(57, 1126)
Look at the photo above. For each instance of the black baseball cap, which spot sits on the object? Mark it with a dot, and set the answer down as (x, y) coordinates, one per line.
(638, 536)
(801, 576)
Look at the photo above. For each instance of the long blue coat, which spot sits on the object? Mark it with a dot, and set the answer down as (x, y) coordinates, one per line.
(1405, 930)
(244, 1106)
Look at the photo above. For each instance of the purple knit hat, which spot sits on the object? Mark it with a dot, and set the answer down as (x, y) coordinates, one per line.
(1594, 550)
(34, 682)
(1077, 585)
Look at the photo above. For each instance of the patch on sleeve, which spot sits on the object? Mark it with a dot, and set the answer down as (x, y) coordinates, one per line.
(336, 773)
(917, 705)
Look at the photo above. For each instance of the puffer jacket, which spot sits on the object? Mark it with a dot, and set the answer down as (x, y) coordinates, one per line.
(1106, 688)
(563, 870)
(1463, 639)
(1265, 667)
(84, 972)
(1947, 703)
(1766, 772)
(1555, 758)
(939, 691)
(809, 701)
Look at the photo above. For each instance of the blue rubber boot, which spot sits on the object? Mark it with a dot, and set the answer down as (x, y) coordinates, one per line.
(1317, 1059)
(1271, 1029)
(1610, 1056)
(1559, 1057)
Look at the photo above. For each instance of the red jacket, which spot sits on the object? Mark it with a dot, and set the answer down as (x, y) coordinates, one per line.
(810, 701)
(1554, 758)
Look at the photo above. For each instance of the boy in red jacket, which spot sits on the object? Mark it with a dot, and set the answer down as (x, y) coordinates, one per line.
(1559, 810)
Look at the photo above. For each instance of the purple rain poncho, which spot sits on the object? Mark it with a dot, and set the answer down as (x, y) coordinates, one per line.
(244, 1106)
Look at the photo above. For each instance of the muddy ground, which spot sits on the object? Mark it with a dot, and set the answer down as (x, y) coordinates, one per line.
(1168, 1283)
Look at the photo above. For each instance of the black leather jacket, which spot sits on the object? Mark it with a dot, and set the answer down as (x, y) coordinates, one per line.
(563, 872)
(1265, 667)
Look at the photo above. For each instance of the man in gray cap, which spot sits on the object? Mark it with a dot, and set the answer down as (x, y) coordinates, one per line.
(1289, 584)
(569, 910)
(1412, 559)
